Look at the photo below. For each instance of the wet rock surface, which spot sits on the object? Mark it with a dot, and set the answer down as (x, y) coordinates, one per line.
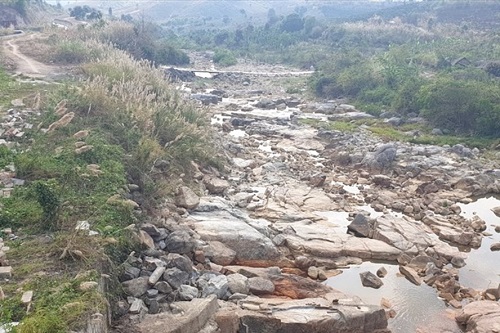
(295, 205)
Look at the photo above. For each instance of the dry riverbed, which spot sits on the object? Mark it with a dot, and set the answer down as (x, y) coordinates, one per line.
(278, 241)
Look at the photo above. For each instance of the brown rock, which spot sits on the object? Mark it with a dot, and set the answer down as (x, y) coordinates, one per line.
(145, 239)
(495, 247)
(64, 121)
(227, 321)
(381, 272)
(480, 317)
(215, 185)
(81, 134)
(411, 275)
(186, 198)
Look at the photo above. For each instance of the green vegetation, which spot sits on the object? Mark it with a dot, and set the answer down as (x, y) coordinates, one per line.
(224, 58)
(131, 126)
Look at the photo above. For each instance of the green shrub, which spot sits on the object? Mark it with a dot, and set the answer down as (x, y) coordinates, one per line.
(224, 58)
(71, 52)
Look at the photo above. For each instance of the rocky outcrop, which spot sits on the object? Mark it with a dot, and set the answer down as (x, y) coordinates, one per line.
(480, 317)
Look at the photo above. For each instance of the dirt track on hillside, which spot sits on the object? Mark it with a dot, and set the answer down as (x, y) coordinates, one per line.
(25, 65)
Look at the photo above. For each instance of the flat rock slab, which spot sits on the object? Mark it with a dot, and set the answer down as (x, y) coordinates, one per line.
(316, 315)
(191, 318)
(248, 243)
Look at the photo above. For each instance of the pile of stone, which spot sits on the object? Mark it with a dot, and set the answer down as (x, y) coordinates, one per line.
(175, 268)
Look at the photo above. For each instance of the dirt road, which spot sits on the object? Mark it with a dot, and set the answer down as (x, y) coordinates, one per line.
(24, 64)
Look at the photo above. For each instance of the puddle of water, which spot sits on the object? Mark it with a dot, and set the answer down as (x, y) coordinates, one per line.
(482, 270)
(417, 307)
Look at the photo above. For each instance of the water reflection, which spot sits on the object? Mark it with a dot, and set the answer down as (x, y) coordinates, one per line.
(482, 270)
(417, 307)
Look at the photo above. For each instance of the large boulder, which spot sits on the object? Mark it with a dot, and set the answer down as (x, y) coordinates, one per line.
(382, 158)
(179, 242)
(191, 317)
(136, 287)
(186, 198)
(480, 317)
(361, 226)
(251, 246)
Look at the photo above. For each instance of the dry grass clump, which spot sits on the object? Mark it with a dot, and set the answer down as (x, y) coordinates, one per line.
(134, 95)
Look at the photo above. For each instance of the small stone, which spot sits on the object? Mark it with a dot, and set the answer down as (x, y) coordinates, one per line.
(381, 272)
(27, 297)
(215, 185)
(151, 293)
(156, 275)
(83, 149)
(137, 306)
(5, 272)
(146, 240)
(81, 134)
(187, 293)
(458, 262)
(260, 286)
(313, 272)
(88, 285)
(163, 287)
(497, 228)
(368, 279)
(384, 302)
(456, 304)
(154, 306)
(495, 247)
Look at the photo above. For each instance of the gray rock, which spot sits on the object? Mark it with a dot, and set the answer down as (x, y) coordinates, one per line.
(154, 306)
(179, 242)
(217, 285)
(361, 226)
(458, 262)
(187, 293)
(260, 286)
(220, 254)
(151, 229)
(175, 277)
(437, 131)
(215, 185)
(137, 306)
(265, 103)
(194, 315)
(207, 99)
(462, 151)
(180, 262)
(163, 287)
(495, 247)
(381, 272)
(368, 279)
(394, 121)
(382, 158)
(129, 273)
(136, 287)
(496, 211)
(186, 198)
(151, 293)
(156, 275)
(238, 284)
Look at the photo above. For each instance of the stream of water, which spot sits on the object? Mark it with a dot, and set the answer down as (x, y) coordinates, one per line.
(483, 265)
